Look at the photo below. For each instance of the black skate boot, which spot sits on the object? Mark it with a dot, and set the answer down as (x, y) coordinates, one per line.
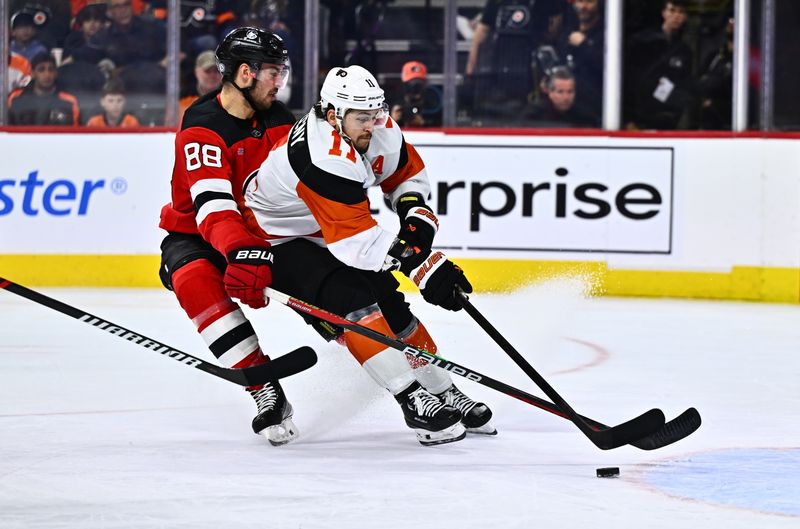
(274, 419)
(434, 423)
(476, 415)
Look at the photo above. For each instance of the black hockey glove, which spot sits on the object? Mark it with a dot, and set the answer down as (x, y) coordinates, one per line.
(435, 275)
(418, 224)
(437, 278)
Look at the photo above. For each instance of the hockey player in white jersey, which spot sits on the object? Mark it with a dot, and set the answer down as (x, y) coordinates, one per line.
(309, 200)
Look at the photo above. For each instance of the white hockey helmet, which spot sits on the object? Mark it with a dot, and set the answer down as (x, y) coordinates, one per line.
(352, 88)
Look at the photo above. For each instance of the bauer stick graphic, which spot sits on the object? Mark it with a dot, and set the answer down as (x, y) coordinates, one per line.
(683, 425)
(646, 432)
(281, 367)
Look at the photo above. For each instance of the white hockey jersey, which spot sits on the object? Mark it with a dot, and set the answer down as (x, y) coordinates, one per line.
(313, 185)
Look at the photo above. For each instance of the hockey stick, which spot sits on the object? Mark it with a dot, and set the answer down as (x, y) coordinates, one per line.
(606, 438)
(683, 425)
(286, 365)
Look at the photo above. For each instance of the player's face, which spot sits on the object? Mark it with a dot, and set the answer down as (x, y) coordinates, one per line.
(562, 95)
(271, 78)
(359, 124)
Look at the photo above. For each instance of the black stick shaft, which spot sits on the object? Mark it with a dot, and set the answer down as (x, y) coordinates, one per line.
(646, 424)
(283, 366)
(605, 439)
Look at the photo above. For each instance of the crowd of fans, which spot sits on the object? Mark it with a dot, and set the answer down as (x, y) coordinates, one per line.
(540, 63)
(101, 63)
(537, 63)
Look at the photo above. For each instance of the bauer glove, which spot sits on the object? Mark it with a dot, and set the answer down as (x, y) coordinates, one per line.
(435, 275)
(418, 224)
(249, 271)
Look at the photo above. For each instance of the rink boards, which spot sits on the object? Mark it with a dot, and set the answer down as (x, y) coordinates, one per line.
(651, 216)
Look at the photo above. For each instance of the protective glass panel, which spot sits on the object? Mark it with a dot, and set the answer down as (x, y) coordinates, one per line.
(786, 82)
(204, 23)
(531, 63)
(400, 42)
(678, 65)
(99, 65)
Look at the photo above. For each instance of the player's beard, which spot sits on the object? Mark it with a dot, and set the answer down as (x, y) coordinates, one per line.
(264, 102)
(362, 143)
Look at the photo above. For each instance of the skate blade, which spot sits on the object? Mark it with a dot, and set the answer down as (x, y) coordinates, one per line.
(449, 435)
(282, 433)
(486, 429)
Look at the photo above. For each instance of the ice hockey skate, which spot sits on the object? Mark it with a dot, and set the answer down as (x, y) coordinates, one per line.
(434, 422)
(476, 415)
(274, 419)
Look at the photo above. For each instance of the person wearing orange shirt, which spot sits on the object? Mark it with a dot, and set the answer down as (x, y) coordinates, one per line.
(113, 103)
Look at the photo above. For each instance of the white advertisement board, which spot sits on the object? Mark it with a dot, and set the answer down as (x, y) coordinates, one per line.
(635, 203)
(83, 193)
(540, 198)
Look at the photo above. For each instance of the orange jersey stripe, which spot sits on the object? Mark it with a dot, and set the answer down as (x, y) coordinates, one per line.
(337, 221)
(410, 169)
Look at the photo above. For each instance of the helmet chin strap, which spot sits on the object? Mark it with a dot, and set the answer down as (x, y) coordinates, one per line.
(246, 92)
(340, 122)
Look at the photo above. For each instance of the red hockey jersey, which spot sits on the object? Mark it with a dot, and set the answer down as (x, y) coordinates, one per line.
(215, 154)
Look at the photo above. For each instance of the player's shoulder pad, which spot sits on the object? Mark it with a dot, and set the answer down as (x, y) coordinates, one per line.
(335, 179)
(390, 134)
(388, 141)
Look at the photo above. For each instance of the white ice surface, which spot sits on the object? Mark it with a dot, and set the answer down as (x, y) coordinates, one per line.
(96, 432)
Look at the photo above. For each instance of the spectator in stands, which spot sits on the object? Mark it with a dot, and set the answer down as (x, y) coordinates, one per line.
(41, 103)
(113, 104)
(715, 86)
(23, 35)
(422, 103)
(19, 71)
(208, 80)
(507, 36)
(581, 50)
(130, 38)
(52, 19)
(78, 5)
(658, 68)
(90, 20)
(558, 108)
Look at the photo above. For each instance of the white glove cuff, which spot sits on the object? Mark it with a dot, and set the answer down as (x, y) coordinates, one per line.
(420, 274)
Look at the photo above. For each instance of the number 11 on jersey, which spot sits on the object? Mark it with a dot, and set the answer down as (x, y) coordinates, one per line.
(336, 150)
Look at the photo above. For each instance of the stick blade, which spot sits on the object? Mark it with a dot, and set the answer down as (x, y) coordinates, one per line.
(283, 366)
(681, 426)
(645, 424)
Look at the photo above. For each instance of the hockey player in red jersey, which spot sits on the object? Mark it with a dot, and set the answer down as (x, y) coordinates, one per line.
(309, 198)
(209, 256)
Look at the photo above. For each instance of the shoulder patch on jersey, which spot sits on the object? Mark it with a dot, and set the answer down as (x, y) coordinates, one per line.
(331, 186)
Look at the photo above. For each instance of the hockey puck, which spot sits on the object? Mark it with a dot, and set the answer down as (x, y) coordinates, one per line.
(608, 472)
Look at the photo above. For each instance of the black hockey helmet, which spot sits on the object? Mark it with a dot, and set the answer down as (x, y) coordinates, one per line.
(252, 46)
